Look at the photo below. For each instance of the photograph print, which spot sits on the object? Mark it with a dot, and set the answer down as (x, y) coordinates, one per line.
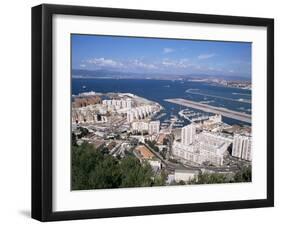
(159, 112)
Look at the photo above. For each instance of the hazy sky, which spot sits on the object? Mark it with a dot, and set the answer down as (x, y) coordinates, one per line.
(169, 56)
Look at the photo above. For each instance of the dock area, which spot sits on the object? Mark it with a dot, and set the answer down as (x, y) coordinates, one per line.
(212, 109)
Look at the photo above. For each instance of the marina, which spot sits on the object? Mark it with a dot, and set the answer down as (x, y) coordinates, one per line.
(192, 116)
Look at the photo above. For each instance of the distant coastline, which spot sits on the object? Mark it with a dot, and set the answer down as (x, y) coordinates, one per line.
(108, 74)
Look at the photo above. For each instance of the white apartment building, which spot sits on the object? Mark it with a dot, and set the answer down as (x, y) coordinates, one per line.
(139, 113)
(118, 103)
(242, 147)
(154, 127)
(205, 147)
(215, 139)
(188, 134)
(140, 126)
(187, 152)
(130, 116)
(86, 115)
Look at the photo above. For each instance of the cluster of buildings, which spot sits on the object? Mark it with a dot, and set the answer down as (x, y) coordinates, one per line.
(118, 103)
(89, 114)
(139, 113)
(196, 143)
(233, 84)
(152, 127)
(132, 109)
(210, 147)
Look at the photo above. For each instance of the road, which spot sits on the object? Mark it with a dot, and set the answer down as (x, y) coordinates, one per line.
(215, 110)
(169, 165)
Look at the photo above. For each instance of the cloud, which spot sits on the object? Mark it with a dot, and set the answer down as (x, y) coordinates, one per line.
(102, 62)
(184, 63)
(181, 63)
(139, 63)
(167, 63)
(206, 56)
(120, 64)
(168, 50)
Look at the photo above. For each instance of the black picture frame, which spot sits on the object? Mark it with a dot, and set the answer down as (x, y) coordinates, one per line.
(42, 107)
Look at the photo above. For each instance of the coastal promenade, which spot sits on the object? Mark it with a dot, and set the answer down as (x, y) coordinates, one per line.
(215, 110)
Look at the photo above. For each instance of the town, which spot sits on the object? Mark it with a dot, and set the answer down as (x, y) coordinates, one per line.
(124, 124)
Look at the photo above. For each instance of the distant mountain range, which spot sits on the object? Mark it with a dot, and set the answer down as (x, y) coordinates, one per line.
(107, 74)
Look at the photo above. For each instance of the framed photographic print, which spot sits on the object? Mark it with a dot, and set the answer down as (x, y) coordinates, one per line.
(145, 112)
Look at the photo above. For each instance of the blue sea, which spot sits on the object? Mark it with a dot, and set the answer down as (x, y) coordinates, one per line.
(158, 90)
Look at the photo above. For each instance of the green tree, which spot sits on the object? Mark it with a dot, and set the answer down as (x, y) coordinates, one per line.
(73, 139)
(84, 159)
(181, 182)
(160, 179)
(134, 174)
(210, 178)
(244, 175)
(93, 168)
(83, 132)
(106, 174)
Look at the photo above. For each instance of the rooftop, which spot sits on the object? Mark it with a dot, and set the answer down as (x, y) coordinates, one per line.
(144, 152)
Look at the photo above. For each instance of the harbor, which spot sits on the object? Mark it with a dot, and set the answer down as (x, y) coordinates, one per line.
(192, 116)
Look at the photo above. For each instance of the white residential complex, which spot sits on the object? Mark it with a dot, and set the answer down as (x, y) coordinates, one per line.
(188, 134)
(152, 127)
(242, 147)
(202, 147)
(139, 126)
(138, 113)
(118, 103)
(130, 107)
(88, 114)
